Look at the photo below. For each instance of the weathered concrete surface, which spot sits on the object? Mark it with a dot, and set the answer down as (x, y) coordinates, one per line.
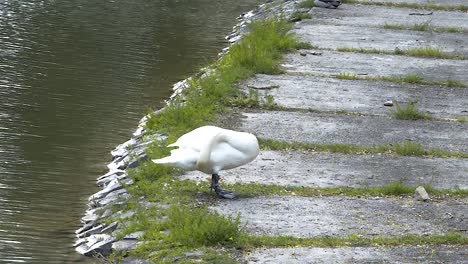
(334, 36)
(339, 170)
(367, 97)
(426, 2)
(356, 130)
(332, 63)
(343, 216)
(378, 16)
(441, 254)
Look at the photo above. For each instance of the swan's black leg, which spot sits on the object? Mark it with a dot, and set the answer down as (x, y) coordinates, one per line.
(220, 192)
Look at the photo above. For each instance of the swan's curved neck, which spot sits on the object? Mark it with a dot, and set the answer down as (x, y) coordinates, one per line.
(204, 160)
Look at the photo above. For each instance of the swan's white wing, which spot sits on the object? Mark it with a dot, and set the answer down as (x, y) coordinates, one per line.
(197, 138)
(239, 149)
(185, 159)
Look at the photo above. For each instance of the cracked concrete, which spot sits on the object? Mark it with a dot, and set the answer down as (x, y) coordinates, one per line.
(379, 16)
(332, 63)
(324, 170)
(400, 255)
(344, 216)
(345, 36)
(322, 128)
(366, 97)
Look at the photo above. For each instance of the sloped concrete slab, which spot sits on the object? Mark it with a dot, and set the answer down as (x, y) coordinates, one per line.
(343, 216)
(367, 97)
(339, 170)
(426, 2)
(379, 16)
(440, 254)
(356, 130)
(334, 37)
(332, 63)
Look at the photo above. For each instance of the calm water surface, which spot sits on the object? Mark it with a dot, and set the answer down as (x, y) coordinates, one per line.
(75, 77)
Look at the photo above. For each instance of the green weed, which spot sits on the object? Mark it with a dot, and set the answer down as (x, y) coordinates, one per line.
(306, 4)
(409, 112)
(404, 149)
(462, 119)
(353, 241)
(409, 149)
(347, 76)
(298, 16)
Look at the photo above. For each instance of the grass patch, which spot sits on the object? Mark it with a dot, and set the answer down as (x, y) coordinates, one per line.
(403, 149)
(298, 16)
(425, 27)
(394, 27)
(409, 112)
(306, 4)
(186, 227)
(354, 241)
(409, 78)
(361, 50)
(462, 119)
(347, 76)
(460, 8)
(420, 27)
(417, 52)
(429, 52)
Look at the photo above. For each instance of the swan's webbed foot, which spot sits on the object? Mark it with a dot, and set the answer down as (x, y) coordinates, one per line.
(220, 192)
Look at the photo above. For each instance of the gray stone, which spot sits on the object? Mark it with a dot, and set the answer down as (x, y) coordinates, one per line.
(421, 195)
(124, 246)
(92, 231)
(96, 245)
(388, 103)
(109, 228)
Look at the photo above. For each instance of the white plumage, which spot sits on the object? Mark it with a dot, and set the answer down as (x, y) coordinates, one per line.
(211, 149)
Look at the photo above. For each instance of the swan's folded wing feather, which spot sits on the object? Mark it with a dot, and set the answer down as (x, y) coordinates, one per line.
(185, 159)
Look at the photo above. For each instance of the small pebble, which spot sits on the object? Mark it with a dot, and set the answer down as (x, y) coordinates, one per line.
(388, 103)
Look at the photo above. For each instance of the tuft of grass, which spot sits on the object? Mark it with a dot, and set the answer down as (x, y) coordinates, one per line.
(425, 27)
(197, 227)
(453, 83)
(409, 112)
(353, 241)
(421, 27)
(304, 45)
(395, 149)
(347, 76)
(361, 50)
(394, 27)
(412, 78)
(462, 119)
(430, 53)
(298, 16)
(417, 52)
(306, 4)
(409, 149)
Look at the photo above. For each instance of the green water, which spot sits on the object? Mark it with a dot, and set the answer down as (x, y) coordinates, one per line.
(75, 78)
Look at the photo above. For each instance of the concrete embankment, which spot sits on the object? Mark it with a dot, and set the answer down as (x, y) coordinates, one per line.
(333, 94)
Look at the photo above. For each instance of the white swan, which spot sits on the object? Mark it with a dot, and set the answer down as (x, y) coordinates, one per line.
(211, 149)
